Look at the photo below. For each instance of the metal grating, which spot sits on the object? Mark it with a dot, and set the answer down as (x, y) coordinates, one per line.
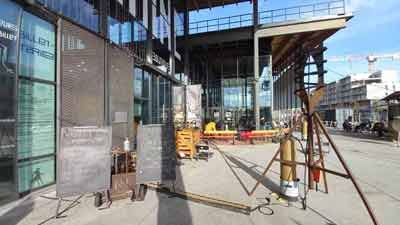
(82, 77)
(121, 93)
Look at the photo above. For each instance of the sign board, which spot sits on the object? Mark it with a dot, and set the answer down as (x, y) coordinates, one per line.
(120, 117)
(156, 155)
(83, 161)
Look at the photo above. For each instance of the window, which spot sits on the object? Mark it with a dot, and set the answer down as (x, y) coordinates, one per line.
(36, 104)
(36, 119)
(36, 173)
(37, 48)
(142, 96)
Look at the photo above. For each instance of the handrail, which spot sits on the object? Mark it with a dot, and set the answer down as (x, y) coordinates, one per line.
(335, 7)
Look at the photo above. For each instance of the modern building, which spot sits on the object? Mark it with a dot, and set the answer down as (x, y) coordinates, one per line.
(355, 96)
(114, 63)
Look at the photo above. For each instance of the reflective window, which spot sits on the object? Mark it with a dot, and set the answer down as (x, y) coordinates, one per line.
(36, 117)
(138, 82)
(36, 173)
(37, 48)
(142, 96)
(84, 12)
(36, 104)
(9, 12)
(154, 100)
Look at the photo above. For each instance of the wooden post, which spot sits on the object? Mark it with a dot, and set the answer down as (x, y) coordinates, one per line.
(321, 155)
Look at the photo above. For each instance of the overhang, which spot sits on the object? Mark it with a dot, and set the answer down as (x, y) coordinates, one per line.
(286, 37)
(203, 4)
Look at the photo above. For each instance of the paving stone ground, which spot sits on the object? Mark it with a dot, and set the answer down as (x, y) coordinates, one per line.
(230, 174)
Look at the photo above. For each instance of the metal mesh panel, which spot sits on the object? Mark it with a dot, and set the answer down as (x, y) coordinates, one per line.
(82, 77)
(121, 93)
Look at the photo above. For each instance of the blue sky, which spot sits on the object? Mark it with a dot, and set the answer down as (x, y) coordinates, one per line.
(375, 29)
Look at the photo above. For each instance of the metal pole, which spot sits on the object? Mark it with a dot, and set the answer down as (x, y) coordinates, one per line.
(348, 171)
(256, 91)
(207, 95)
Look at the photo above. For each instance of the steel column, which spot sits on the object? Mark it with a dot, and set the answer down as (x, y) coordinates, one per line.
(256, 87)
(149, 40)
(186, 68)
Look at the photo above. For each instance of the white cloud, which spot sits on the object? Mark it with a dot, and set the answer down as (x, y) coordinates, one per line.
(369, 14)
(355, 5)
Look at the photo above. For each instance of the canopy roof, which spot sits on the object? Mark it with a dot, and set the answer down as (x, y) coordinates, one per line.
(393, 96)
(203, 4)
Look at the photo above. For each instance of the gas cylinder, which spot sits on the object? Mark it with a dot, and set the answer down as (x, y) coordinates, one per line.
(289, 180)
(127, 145)
(304, 127)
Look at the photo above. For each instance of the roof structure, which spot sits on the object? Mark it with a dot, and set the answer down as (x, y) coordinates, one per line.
(203, 4)
(394, 96)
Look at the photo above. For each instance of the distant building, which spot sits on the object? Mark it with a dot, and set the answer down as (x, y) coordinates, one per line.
(355, 95)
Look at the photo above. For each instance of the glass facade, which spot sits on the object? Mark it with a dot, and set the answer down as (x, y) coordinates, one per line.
(28, 79)
(9, 13)
(27, 114)
(84, 12)
(152, 103)
(36, 103)
(141, 89)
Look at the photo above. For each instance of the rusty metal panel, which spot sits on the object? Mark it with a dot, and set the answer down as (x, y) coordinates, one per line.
(82, 77)
(156, 155)
(83, 161)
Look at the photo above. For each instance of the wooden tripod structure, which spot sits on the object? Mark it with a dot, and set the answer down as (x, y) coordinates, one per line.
(314, 123)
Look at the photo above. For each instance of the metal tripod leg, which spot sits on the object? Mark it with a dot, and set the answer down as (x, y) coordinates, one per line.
(321, 155)
(348, 171)
(265, 171)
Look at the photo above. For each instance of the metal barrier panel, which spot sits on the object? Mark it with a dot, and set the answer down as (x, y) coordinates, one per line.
(156, 155)
(120, 90)
(82, 77)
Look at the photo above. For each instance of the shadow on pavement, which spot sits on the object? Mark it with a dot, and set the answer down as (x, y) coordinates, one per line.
(265, 181)
(16, 214)
(171, 209)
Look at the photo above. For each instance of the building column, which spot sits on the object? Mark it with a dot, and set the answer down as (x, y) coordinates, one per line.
(256, 85)
(103, 25)
(171, 54)
(149, 41)
(271, 84)
(186, 67)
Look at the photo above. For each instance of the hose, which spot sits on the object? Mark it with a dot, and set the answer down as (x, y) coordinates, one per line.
(305, 188)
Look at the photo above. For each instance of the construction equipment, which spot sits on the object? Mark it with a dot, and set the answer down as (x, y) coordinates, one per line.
(311, 94)
(371, 59)
(185, 144)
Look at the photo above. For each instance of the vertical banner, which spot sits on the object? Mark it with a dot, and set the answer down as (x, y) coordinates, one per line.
(193, 104)
(178, 93)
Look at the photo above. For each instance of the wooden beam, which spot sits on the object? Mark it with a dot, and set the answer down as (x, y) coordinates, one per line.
(196, 4)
